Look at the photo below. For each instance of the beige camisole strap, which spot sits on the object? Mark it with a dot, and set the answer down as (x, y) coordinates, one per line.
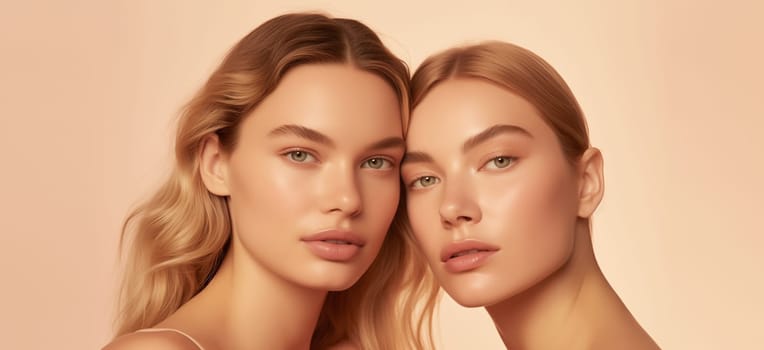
(172, 330)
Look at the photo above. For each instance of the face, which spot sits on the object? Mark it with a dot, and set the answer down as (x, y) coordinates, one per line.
(314, 177)
(491, 198)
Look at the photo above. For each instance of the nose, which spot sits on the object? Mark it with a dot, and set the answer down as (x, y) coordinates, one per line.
(459, 207)
(342, 194)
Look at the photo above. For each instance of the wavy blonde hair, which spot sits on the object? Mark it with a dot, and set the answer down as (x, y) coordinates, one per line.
(178, 237)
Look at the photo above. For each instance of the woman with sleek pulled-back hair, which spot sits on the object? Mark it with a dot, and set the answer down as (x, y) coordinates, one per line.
(277, 228)
(501, 183)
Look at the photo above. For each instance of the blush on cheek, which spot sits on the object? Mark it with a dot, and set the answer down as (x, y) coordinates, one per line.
(379, 203)
(534, 218)
(553, 209)
(425, 226)
(550, 195)
(267, 195)
(380, 195)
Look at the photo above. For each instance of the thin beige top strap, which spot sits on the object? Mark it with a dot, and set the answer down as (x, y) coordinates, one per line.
(172, 330)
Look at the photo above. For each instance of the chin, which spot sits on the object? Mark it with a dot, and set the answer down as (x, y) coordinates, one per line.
(470, 302)
(328, 284)
(478, 289)
(331, 278)
(338, 287)
(473, 298)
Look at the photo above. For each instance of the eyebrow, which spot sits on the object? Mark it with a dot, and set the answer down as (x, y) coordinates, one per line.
(496, 130)
(389, 142)
(472, 142)
(417, 157)
(303, 132)
(317, 136)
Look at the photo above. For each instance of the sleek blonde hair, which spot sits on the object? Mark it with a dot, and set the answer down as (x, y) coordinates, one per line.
(519, 71)
(179, 236)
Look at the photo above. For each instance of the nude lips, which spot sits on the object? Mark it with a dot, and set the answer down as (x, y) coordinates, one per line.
(334, 245)
(466, 255)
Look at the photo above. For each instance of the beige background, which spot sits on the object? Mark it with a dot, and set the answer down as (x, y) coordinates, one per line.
(672, 90)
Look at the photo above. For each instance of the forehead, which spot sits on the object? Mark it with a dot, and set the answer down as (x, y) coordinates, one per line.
(457, 109)
(330, 98)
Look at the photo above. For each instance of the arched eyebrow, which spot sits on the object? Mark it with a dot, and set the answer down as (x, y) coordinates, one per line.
(472, 142)
(302, 132)
(316, 136)
(389, 142)
(417, 157)
(496, 130)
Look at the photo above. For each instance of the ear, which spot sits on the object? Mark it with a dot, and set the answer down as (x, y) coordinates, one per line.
(213, 166)
(591, 185)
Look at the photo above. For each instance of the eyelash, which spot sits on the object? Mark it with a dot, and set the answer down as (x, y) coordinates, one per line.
(512, 161)
(290, 156)
(418, 180)
(387, 163)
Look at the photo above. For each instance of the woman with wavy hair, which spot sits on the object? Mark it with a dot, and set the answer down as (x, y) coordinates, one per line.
(277, 228)
(501, 183)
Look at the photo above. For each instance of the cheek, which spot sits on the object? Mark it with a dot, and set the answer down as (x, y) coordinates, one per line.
(380, 196)
(425, 223)
(266, 195)
(535, 217)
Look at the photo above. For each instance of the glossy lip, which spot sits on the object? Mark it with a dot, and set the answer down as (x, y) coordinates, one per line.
(347, 248)
(463, 246)
(338, 235)
(476, 255)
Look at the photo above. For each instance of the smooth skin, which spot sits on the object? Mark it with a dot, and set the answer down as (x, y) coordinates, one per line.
(482, 167)
(322, 152)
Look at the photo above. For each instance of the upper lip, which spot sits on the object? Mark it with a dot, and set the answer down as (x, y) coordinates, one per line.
(338, 235)
(465, 245)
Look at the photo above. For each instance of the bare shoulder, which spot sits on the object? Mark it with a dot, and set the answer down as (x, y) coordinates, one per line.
(345, 345)
(151, 340)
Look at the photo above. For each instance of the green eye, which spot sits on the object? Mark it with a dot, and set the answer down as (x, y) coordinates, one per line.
(376, 163)
(425, 181)
(500, 162)
(300, 156)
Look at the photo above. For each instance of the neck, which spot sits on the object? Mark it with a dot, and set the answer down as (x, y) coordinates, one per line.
(573, 308)
(250, 307)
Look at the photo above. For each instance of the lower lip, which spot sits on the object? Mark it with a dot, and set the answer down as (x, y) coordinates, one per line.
(467, 262)
(333, 251)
